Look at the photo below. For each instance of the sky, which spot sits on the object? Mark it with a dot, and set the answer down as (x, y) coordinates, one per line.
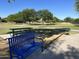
(59, 8)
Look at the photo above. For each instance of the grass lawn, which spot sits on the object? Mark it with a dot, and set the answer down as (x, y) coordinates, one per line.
(5, 27)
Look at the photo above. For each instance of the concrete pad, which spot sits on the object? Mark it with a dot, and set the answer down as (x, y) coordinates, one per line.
(66, 47)
(5, 36)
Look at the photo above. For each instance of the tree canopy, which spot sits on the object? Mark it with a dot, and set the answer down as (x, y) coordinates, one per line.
(0, 19)
(77, 5)
(45, 15)
(56, 19)
(31, 15)
(76, 20)
(9, 1)
(68, 19)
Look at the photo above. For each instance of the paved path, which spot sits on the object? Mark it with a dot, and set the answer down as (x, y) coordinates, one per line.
(75, 30)
(66, 47)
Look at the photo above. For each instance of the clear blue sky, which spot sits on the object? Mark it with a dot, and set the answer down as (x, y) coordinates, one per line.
(59, 8)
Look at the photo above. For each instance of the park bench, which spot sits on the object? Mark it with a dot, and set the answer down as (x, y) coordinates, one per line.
(23, 45)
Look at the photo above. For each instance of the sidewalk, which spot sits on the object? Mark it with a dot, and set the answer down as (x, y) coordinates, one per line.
(75, 30)
(5, 36)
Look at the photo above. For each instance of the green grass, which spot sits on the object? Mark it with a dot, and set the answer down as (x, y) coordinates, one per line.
(5, 27)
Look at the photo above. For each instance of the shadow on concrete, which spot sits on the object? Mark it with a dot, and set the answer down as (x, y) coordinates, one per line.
(72, 53)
